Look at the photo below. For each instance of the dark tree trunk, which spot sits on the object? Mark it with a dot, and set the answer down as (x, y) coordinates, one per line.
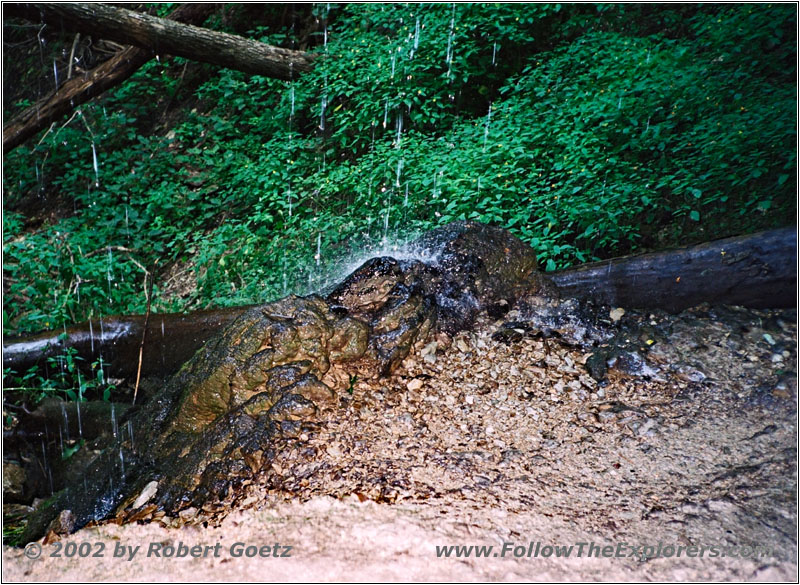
(168, 37)
(171, 340)
(81, 89)
(758, 270)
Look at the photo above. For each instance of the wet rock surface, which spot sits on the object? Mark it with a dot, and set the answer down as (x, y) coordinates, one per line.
(221, 420)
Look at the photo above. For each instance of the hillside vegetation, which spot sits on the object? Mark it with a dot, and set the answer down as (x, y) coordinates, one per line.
(588, 130)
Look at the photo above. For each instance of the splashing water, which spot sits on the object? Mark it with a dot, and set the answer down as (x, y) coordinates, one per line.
(385, 238)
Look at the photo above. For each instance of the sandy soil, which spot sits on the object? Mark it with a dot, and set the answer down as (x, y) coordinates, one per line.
(478, 442)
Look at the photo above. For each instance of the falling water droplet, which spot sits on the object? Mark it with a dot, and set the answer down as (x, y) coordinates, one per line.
(109, 275)
(386, 224)
(285, 279)
(325, 27)
(399, 170)
(114, 427)
(96, 168)
(323, 105)
(55, 71)
(494, 55)
(80, 426)
(450, 37)
(486, 129)
(399, 129)
(66, 421)
(130, 435)
(318, 257)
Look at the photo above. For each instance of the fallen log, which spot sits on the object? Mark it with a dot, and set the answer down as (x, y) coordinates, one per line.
(171, 340)
(756, 271)
(80, 89)
(169, 37)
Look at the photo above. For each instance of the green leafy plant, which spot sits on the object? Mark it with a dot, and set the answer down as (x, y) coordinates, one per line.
(63, 378)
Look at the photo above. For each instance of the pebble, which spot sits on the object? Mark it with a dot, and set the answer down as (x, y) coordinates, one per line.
(414, 384)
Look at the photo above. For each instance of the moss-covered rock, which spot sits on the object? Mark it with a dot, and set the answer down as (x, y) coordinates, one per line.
(219, 420)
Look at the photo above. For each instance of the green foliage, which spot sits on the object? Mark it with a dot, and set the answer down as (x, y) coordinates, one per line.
(589, 130)
(65, 377)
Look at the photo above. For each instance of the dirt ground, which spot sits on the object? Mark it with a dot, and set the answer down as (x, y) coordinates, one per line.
(477, 442)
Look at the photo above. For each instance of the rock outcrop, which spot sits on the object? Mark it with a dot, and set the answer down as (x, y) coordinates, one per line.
(218, 422)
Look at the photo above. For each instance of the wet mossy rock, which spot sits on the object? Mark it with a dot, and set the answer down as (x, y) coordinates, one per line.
(219, 421)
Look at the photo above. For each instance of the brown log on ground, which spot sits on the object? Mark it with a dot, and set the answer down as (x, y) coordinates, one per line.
(82, 88)
(169, 37)
(171, 340)
(757, 271)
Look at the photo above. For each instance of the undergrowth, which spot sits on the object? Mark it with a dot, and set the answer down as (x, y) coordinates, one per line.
(588, 130)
